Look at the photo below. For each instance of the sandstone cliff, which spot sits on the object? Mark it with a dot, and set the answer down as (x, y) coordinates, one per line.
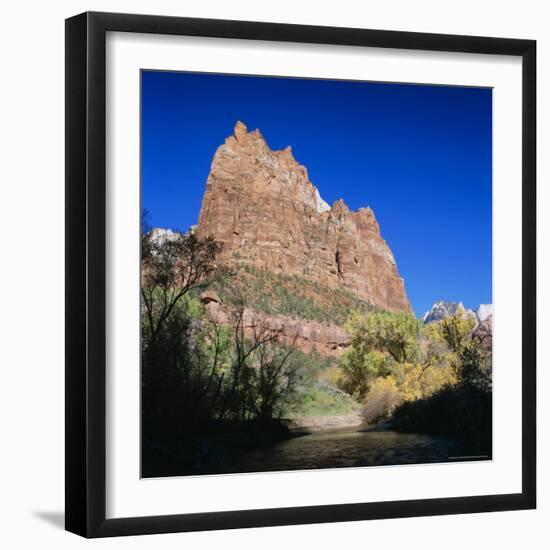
(264, 209)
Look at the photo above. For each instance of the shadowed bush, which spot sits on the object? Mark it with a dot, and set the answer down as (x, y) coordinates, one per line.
(464, 412)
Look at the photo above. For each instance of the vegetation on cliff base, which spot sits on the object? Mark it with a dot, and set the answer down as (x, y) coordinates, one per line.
(291, 295)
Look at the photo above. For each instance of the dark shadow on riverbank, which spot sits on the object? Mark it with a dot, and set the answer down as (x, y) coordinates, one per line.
(463, 413)
(215, 450)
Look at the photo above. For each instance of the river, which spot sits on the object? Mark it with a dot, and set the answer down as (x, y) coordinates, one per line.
(352, 447)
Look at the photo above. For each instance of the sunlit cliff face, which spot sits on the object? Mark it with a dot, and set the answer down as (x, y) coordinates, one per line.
(264, 209)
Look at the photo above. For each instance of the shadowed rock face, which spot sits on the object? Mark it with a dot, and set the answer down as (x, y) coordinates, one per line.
(261, 205)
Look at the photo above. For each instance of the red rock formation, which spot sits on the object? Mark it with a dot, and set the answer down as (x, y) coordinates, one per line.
(307, 336)
(261, 205)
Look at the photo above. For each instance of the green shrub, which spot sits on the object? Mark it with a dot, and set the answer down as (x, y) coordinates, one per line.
(321, 400)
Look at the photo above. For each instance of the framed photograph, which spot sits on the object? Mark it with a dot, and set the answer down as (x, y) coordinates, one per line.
(300, 280)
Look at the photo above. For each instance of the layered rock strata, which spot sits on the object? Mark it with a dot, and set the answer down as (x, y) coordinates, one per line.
(264, 209)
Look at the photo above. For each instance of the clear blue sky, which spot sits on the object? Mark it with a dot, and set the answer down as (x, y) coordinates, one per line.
(419, 156)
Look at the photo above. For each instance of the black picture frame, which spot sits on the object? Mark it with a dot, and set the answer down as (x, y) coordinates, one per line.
(86, 284)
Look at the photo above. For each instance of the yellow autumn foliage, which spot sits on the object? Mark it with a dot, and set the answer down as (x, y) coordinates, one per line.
(410, 382)
(393, 359)
(382, 398)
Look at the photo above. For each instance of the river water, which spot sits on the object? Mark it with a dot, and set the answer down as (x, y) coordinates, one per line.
(353, 447)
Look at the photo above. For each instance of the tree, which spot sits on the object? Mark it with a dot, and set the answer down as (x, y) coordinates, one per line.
(447, 340)
(173, 263)
(260, 378)
(394, 333)
(475, 367)
(275, 380)
(179, 382)
(359, 369)
(455, 331)
(378, 340)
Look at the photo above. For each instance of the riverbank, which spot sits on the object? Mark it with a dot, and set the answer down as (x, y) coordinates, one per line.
(322, 423)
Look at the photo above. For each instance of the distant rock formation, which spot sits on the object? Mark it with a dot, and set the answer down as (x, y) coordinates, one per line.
(484, 311)
(159, 235)
(264, 209)
(441, 309)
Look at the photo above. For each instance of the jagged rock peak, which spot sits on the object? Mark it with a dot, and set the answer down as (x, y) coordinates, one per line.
(286, 152)
(244, 151)
(441, 309)
(240, 130)
(264, 209)
(339, 207)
